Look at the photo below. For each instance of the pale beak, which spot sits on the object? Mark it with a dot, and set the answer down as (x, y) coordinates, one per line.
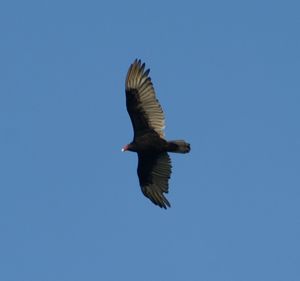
(125, 148)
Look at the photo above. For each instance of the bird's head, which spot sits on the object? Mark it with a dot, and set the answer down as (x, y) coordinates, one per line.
(127, 147)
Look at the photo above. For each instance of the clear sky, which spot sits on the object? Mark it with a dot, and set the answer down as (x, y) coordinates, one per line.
(227, 76)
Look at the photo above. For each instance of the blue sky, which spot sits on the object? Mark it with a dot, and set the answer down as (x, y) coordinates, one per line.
(227, 76)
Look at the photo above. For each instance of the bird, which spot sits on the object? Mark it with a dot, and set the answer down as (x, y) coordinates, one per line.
(148, 122)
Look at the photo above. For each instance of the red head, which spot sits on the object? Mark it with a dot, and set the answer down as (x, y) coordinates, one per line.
(125, 148)
(129, 147)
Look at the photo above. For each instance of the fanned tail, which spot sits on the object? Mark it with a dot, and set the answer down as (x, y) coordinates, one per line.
(179, 146)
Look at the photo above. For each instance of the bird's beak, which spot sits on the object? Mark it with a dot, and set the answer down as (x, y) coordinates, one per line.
(123, 149)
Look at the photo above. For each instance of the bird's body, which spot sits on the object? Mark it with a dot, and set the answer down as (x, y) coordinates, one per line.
(149, 142)
(154, 166)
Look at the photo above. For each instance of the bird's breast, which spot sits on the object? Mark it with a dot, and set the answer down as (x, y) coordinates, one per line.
(150, 143)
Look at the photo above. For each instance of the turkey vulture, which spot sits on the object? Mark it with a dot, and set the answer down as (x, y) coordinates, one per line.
(154, 163)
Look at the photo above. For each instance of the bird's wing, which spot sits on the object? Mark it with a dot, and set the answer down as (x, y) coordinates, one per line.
(144, 109)
(154, 172)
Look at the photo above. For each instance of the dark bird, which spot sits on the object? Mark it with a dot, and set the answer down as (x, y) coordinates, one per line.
(154, 163)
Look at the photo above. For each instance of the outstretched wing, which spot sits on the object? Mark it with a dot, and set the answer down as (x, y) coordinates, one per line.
(154, 172)
(144, 109)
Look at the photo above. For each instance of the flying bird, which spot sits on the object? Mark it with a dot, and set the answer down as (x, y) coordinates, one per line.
(147, 118)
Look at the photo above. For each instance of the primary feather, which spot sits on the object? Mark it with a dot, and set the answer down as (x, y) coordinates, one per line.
(143, 107)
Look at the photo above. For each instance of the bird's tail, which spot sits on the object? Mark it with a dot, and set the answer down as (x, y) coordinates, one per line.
(179, 146)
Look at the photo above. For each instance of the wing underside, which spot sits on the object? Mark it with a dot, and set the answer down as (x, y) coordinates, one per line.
(154, 172)
(144, 109)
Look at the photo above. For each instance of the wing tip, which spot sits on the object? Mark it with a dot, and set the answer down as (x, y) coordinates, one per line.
(157, 199)
(136, 74)
(164, 204)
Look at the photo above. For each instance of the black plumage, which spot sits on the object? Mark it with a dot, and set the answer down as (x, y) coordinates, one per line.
(146, 114)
